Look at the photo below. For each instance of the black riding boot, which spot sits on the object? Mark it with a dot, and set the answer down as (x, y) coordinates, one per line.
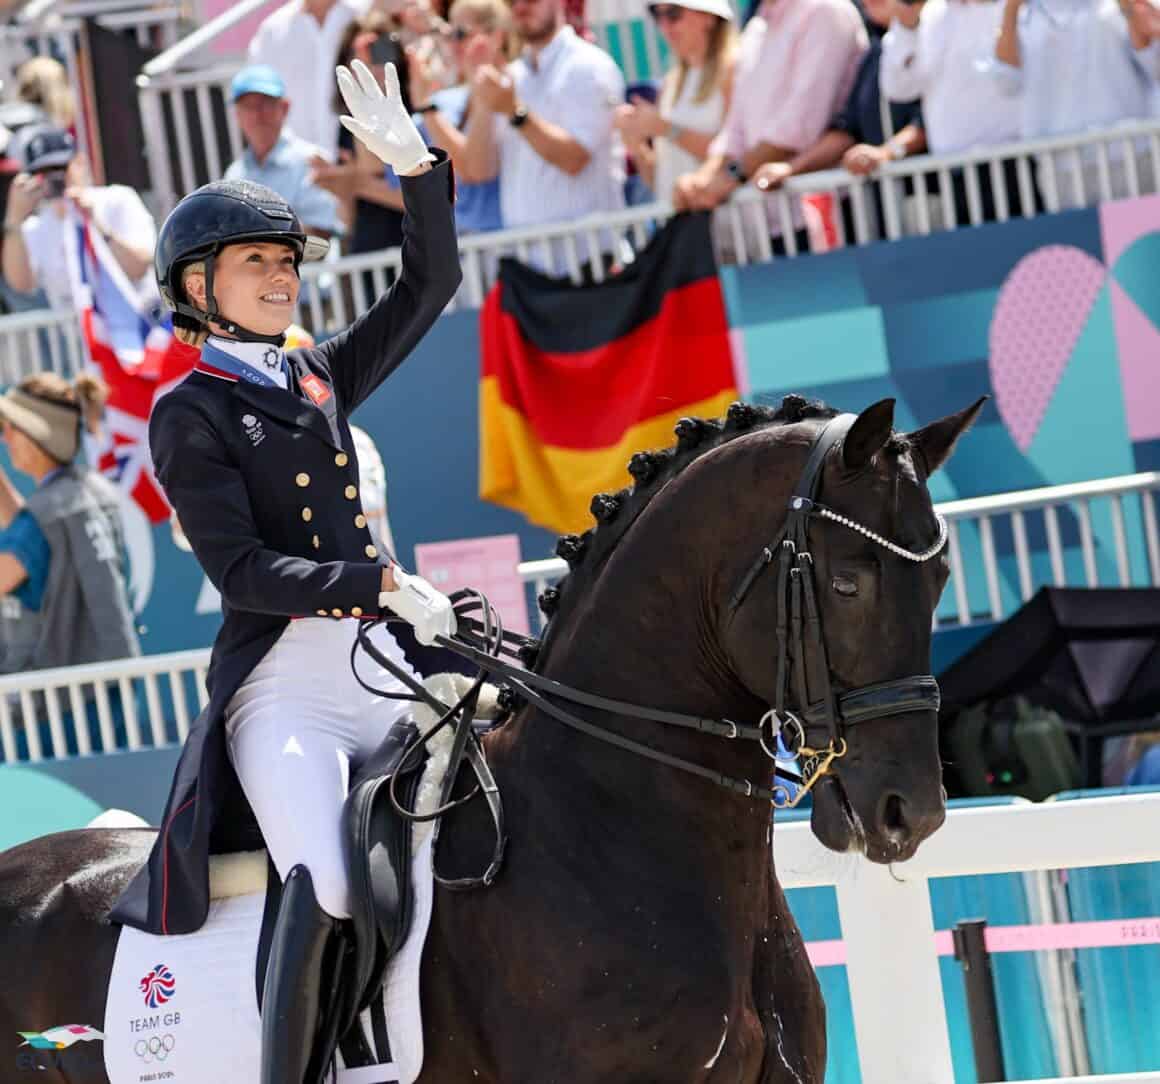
(293, 999)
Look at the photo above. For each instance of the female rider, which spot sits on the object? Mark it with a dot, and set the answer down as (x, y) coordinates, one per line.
(255, 453)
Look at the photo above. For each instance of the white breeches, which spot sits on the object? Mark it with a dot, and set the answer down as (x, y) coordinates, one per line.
(296, 728)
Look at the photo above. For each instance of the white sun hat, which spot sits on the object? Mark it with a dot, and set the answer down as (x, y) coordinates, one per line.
(721, 8)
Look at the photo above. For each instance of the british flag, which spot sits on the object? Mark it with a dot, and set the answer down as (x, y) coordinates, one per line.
(129, 340)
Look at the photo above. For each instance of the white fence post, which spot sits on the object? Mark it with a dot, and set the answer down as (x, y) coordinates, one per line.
(889, 933)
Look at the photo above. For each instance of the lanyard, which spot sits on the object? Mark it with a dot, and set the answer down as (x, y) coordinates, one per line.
(240, 370)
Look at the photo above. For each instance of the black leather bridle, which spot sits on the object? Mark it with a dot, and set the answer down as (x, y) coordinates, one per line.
(802, 672)
(802, 663)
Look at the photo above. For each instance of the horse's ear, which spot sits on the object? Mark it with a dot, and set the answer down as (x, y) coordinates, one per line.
(936, 441)
(870, 431)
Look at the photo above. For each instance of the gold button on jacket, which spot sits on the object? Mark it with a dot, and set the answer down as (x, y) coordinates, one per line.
(302, 479)
(307, 514)
(360, 520)
(336, 612)
(341, 460)
(371, 551)
(356, 611)
(351, 492)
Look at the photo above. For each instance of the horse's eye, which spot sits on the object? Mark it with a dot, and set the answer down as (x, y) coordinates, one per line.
(846, 586)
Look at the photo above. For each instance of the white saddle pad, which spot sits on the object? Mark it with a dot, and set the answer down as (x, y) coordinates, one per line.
(184, 1009)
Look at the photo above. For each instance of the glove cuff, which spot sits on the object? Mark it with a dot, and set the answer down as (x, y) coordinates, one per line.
(426, 156)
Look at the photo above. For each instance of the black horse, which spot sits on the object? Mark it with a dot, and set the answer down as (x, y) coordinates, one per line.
(638, 932)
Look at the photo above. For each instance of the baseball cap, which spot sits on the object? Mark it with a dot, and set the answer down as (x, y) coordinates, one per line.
(46, 147)
(257, 79)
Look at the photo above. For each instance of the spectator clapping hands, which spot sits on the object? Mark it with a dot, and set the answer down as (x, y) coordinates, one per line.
(495, 90)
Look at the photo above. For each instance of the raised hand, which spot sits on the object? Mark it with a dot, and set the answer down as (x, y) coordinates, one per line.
(379, 119)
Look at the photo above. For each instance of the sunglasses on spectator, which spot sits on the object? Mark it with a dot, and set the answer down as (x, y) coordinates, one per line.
(666, 13)
(460, 34)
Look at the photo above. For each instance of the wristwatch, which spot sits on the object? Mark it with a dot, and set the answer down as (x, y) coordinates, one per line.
(519, 117)
(430, 107)
(734, 168)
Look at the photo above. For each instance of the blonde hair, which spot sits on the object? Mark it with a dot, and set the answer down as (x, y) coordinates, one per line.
(43, 81)
(492, 15)
(194, 337)
(723, 40)
(88, 392)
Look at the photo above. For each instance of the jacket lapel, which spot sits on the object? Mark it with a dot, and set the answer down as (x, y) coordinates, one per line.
(319, 393)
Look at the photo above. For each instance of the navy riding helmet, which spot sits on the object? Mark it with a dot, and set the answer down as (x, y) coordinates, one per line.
(215, 215)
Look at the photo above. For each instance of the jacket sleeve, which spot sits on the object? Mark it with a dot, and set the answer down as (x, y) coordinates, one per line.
(364, 355)
(208, 493)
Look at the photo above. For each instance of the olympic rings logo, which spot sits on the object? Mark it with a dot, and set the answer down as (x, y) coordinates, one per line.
(155, 1048)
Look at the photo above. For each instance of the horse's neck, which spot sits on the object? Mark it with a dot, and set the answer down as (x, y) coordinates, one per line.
(639, 643)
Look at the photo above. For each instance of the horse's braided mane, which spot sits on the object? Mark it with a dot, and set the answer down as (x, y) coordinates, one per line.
(614, 513)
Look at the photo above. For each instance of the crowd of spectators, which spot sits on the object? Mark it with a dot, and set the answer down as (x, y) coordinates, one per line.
(543, 128)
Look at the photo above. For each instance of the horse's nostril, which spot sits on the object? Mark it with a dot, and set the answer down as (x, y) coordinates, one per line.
(893, 817)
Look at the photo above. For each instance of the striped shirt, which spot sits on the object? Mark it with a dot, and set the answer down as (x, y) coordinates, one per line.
(577, 86)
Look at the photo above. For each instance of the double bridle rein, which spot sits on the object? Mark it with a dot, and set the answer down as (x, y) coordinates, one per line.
(802, 671)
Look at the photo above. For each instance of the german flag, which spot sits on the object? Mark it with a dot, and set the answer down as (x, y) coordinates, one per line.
(578, 378)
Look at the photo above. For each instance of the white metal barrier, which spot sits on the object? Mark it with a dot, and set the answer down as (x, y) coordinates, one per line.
(86, 706)
(900, 1019)
(338, 290)
(41, 339)
(1101, 533)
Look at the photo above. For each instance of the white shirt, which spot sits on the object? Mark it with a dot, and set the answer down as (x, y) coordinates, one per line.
(577, 86)
(304, 53)
(1078, 70)
(117, 211)
(686, 112)
(946, 63)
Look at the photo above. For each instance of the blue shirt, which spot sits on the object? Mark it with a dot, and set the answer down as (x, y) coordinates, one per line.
(286, 170)
(1146, 771)
(476, 205)
(24, 539)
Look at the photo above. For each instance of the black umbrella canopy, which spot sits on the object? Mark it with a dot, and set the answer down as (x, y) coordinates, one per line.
(1091, 654)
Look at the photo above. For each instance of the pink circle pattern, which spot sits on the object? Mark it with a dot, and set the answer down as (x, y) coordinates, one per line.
(1041, 312)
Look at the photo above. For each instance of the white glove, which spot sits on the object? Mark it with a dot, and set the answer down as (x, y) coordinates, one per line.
(380, 120)
(420, 605)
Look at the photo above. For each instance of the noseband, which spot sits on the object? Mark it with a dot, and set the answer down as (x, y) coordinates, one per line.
(802, 663)
(803, 673)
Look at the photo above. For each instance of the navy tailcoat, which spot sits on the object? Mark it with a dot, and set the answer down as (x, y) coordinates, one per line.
(265, 484)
